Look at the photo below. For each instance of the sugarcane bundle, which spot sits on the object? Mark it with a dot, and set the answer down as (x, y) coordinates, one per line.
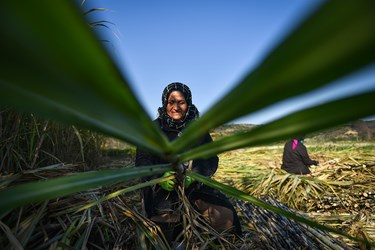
(280, 232)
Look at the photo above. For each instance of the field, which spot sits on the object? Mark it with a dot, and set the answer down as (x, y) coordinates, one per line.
(339, 193)
(53, 197)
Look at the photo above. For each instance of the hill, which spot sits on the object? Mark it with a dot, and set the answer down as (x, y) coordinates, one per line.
(358, 130)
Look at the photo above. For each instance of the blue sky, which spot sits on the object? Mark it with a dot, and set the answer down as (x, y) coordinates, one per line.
(208, 45)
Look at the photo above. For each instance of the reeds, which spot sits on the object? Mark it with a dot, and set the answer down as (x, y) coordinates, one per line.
(28, 142)
(117, 222)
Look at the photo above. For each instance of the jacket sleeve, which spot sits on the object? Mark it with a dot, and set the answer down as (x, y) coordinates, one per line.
(206, 167)
(305, 156)
(144, 158)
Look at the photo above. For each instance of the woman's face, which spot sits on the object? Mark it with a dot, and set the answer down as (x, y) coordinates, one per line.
(176, 106)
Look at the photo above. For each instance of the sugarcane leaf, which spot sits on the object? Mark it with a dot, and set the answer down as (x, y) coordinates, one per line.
(284, 181)
(335, 41)
(14, 242)
(53, 65)
(293, 191)
(268, 182)
(124, 191)
(35, 220)
(27, 193)
(301, 122)
(68, 233)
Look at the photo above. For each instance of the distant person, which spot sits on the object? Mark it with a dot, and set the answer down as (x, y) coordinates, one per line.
(161, 201)
(296, 160)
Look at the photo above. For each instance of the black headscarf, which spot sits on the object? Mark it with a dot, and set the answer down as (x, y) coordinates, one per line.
(192, 112)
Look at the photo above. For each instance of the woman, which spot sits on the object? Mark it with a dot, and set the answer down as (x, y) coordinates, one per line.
(296, 160)
(161, 201)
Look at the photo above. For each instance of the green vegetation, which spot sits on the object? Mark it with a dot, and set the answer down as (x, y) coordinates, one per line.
(28, 142)
(55, 67)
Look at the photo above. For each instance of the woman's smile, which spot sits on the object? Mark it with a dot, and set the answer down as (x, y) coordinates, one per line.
(176, 106)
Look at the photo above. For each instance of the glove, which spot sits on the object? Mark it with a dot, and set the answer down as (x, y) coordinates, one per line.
(316, 163)
(168, 185)
(188, 181)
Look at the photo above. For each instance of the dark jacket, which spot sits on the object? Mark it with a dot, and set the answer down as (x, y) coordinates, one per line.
(158, 201)
(296, 160)
(205, 167)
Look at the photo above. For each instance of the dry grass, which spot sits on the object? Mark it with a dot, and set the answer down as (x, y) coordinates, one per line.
(339, 193)
(119, 222)
(28, 142)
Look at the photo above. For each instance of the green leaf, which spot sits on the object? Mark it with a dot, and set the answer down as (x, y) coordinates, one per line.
(33, 221)
(23, 194)
(301, 122)
(54, 66)
(124, 191)
(335, 41)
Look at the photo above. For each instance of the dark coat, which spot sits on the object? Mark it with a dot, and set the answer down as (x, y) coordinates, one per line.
(205, 167)
(296, 160)
(158, 201)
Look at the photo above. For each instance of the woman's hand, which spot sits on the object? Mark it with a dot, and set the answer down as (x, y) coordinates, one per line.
(188, 181)
(168, 185)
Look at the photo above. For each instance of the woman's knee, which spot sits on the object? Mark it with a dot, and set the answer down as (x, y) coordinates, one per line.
(221, 218)
(169, 218)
